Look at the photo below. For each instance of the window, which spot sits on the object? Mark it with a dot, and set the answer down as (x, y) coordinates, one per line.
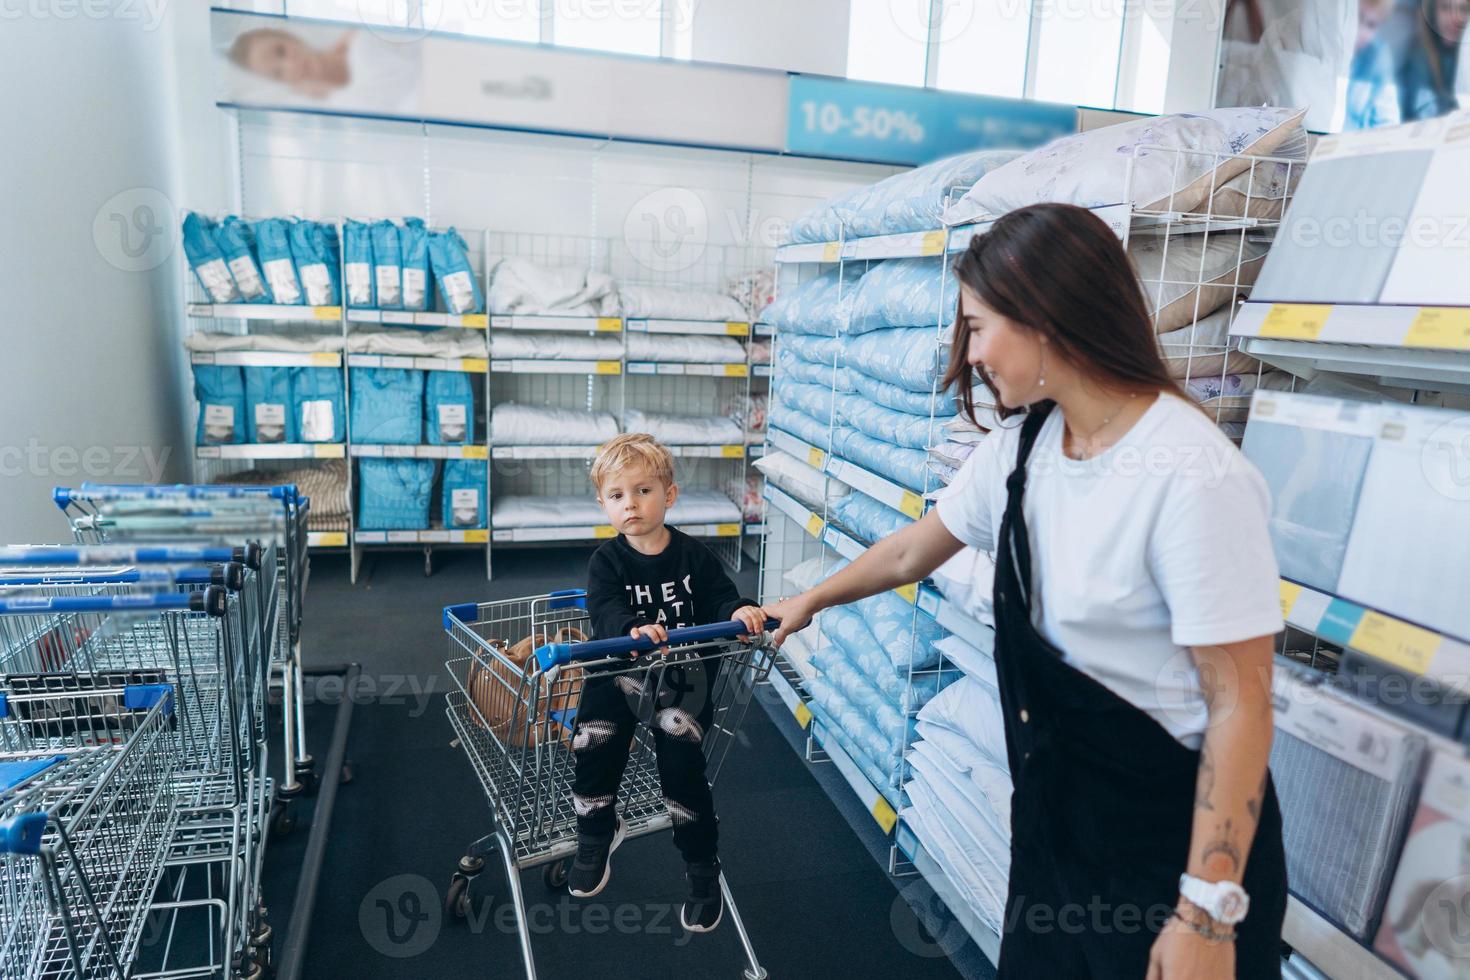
(887, 40)
(624, 26)
(509, 20)
(982, 46)
(1077, 44)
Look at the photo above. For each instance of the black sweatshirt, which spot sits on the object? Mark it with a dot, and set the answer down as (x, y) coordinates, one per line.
(683, 585)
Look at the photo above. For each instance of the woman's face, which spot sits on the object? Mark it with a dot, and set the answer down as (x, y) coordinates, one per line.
(280, 56)
(1009, 354)
(1450, 17)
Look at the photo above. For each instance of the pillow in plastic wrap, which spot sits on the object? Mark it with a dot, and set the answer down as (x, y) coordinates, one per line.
(907, 634)
(971, 708)
(844, 627)
(905, 356)
(1204, 348)
(925, 403)
(880, 422)
(814, 401)
(904, 293)
(824, 222)
(684, 430)
(806, 574)
(673, 347)
(972, 810)
(1185, 278)
(906, 467)
(801, 425)
(871, 520)
(968, 581)
(793, 368)
(810, 347)
(512, 424)
(863, 695)
(873, 755)
(972, 661)
(663, 302)
(818, 306)
(805, 483)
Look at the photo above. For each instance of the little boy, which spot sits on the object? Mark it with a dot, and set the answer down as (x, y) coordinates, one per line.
(648, 580)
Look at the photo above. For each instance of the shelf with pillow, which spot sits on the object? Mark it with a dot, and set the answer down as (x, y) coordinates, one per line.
(395, 451)
(695, 328)
(985, 936)
(556, 324)
(418, 319)
(267, 358)
(269, 450)
(265, 311)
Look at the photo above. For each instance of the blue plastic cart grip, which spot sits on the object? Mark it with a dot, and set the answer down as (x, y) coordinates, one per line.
(4, 705)
(21, 834)
(567, 599)
(14, 773)
(117, 555)
(141, 697)
(465, 612)
(148, 491)
(565, 653)
(210, 600)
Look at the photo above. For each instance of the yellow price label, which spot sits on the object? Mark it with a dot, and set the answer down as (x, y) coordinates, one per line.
(329, 450)
(1410, 648)
(911, 504)
(932, 243)
(727, 530)
(332, 539)
(475, 452)
(474, 365)
(327, 312)
(1446, 328)
(734, 370)
(736, 329)
(604, 531)
(883, 813)
(609, 324)
(803, 715)
(831, 251)
(1295, 321)
(477, 536)
(324, 358)
(477, 321)
(1290, 593)
(814, 525)
(732, 452)
(608, 367)
(910, 592)
(815, 457)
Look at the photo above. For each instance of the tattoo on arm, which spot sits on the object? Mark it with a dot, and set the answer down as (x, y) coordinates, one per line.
(1205, 781)
(1254, 803)
(1223, 854)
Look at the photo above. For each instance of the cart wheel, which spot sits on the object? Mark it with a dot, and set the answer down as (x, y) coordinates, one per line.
(428, 562)
(307, 781)
(282, 823)
(554, 875)
(457, 900)
(346, 775)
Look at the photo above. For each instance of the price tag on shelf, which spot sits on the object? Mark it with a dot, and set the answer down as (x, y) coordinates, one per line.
(323, 358)
(734, 370)
(910, 592)
(327, 312)
(330, 539)
(1445, 328)
(474, 452)
(476, 321)
(477, 535)
(329, 450)
(609, 324)
(803, 715)
(883, 813)
(474, 365)
(735, 329)
(815, 457)
(932, 243)
(1290, 593)
(732, 452)
(727, 530)
(831, 251)
(608, 367)
(911, 504)
(1295, 321)
(604, 531)
(1410, 648)
(814, 525)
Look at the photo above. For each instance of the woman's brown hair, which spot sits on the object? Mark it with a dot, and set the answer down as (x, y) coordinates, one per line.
(1059, 270)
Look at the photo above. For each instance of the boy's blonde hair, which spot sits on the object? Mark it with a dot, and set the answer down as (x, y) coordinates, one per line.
(633, 449)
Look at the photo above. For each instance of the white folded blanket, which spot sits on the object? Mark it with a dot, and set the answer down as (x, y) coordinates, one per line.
(521, 286)
(413, 343)
(287, 343)
(531, 425)
(661, 302)
(684, 430)
(558, 346)
(701, 350)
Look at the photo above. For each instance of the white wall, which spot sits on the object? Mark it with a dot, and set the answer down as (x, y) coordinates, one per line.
(806, 36)
(90, 374)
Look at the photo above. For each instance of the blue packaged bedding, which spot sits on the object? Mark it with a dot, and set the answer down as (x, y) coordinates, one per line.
(394, 494)
(812, 400)
(810, 347)
(413, 242)
(317, 406)
(818, 306)
(899, 428)
(904, 293)
(906, 633)
(387, 406)
(464, 493)
(834, 667)
(801, 425)
(789, 367)
(357, 248)
(871, 520)
(268, 404)
(220, 391)
(313, 263)
(857, 736)
(449, 408)
(906, 467)
(387, 270)
(844, 626)
(273, 247)
(925, 403)
(238, 246)
(207, 261)
(450, 259)
(904, 356)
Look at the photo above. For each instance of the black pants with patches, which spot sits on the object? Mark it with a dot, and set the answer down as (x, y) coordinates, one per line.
(676, 701)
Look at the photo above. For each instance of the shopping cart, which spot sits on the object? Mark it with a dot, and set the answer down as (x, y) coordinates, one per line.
(87, 813)
(514, 721)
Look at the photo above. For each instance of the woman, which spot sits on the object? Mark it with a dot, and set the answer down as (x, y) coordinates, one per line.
(1136, 600)
(1427, 75)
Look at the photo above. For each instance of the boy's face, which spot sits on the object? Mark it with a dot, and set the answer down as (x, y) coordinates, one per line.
(635, 500)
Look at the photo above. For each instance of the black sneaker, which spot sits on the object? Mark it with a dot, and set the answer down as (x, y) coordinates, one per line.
(591, 868)
(705, 905)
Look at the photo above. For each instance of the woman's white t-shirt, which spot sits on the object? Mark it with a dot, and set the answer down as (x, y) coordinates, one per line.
(1155, 545)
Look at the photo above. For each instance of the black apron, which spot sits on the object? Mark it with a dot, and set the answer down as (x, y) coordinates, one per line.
(1103, 805)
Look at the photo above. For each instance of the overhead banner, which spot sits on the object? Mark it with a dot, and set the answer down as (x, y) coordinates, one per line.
(835, 117)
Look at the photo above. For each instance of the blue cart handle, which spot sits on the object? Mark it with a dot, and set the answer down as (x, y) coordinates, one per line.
(248, 556)
(564, 653)
(95, 492)
(212, 601)
(230, 575)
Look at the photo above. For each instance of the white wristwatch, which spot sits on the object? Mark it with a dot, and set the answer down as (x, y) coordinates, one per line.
(1224, 901)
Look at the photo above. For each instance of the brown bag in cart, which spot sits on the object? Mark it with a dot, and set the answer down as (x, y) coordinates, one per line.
(496, 690)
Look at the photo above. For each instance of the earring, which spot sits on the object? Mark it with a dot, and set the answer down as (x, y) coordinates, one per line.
(1041, 370)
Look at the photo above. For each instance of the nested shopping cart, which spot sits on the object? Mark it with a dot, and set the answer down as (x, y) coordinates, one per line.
(514, 719)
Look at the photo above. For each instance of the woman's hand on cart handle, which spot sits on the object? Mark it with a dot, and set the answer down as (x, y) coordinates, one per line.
(794, 613)
(753, 618)
(654, 632)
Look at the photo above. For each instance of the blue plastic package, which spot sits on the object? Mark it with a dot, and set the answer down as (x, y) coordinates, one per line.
(394, 494)
(387, 272)
(449, 408)
(316, 399)
(269, 413)
(869, 519)
(357, 246)
(900, 428)
(324, 236)
(904, 356)
(905, 293)
(465, 485)
(820, 305)
(220, 392)
(207, 261)
(309, 251)
(414, 249)
(238, 247)
(387, 406)
(273, 245)
(450, 259)
(941, 403)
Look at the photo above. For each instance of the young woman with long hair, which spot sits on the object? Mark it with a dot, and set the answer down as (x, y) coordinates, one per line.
(1135, 605)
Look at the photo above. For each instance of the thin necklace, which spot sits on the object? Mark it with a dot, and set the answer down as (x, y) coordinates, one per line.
(1104, 423)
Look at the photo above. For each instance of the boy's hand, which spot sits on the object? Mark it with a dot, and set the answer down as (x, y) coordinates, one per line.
(654, 632)
(752, 619)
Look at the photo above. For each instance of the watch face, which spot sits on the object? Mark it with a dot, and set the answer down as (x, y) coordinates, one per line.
(1232, 907)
